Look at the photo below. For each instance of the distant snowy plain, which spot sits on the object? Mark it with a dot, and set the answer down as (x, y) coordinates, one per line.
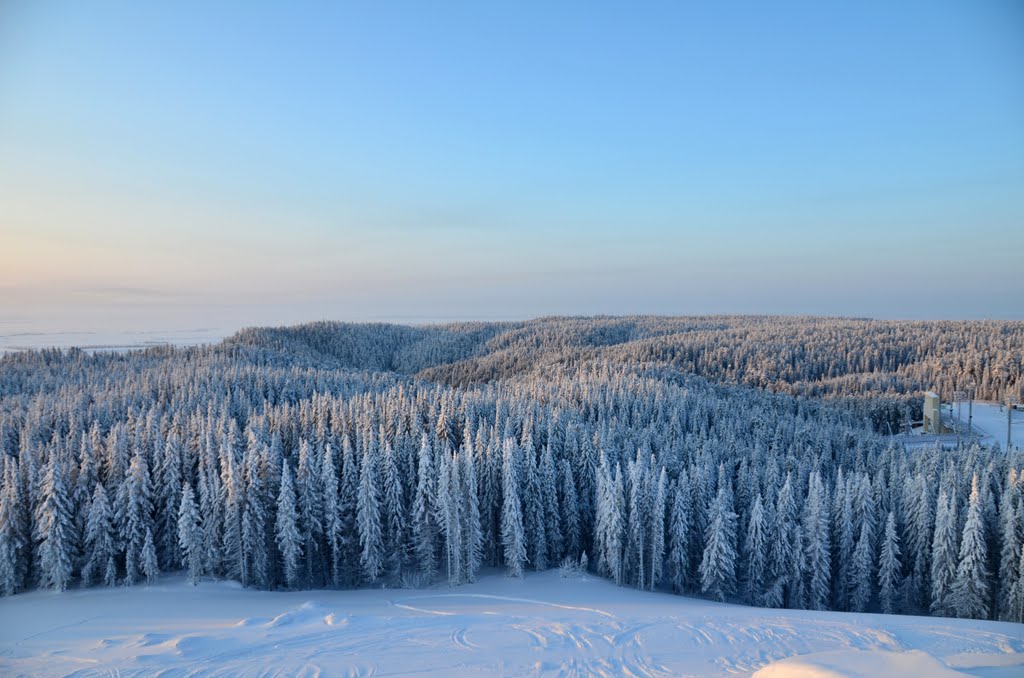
(12, 341)
(542, 625)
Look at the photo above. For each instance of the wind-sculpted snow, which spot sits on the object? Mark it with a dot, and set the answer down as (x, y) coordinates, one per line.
(542, 625)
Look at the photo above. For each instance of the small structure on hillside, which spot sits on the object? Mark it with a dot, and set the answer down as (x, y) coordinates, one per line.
(933, 414)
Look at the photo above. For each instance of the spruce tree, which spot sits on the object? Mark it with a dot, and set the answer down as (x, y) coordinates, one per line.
(718, 566)
(100, 550)
(395, 524)
(11, 542)
(552, 521)
(861, 569)
(679, 537)
(371, 539)
(287, 536)
(784, 552)
(1015, 605)
(473, 541)
(191, 539)
(657, 536)
(970, 590)
(944, 556)
(150, 567)
(332, 516)
(889, 566)
(424, 528)
(55, 527)
(569, 511)
(256, 560)
(346, 564)
(1011, 529)
(817, 554)
(755, 547)
(513, 537)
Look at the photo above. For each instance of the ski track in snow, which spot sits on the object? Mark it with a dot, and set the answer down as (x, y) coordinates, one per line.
(542, 625)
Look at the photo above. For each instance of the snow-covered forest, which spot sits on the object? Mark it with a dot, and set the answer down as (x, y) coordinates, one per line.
(333, 455)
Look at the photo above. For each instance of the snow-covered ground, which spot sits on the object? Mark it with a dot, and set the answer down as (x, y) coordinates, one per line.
(540, 625)
(11, 341)
(991, 423)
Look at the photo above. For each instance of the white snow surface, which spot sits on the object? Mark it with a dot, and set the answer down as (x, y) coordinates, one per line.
(542, 625)
(12, 341)
(991, 423)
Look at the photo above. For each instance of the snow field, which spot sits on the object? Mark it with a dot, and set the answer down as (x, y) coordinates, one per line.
(542, 625)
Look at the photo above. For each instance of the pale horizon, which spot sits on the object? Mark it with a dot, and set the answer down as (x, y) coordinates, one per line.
(175, 167)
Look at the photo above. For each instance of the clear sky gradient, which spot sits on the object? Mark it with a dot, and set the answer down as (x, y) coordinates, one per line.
(186, 164)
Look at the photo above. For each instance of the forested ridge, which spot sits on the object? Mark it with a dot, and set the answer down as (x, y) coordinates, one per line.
(345, 455)
(798, 355)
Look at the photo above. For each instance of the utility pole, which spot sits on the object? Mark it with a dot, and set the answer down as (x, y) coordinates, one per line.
(970, 410)
(958, 396)
(1010, 402)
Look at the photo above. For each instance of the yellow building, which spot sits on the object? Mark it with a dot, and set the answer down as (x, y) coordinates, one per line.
(933, 414)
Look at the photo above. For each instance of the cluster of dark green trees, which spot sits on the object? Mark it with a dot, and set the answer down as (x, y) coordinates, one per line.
(310, 457)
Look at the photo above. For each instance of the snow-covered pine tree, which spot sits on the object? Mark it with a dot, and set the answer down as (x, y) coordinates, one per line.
(448, 516)
(657, 535)
(718, 566)
(889, 566)
(861, 569)
(513, 537)
(396, 537)
(610, 531)
(81, 496)
(55, 527)
(424, 527)
(784, 552)
(944, 556)
(844, 543)
(531, 497)
(136, 503)
(473, 540)
(371, 539)
(255, 558)
(11, 542)
(233, 480)
(1011, 528)
(1015, 611)
(920, 525)
(331, 514)
(308, 488)
(569, 510)
(970, 590)
(552, 521)
(168, 498)
(347, 563)
(679, 536)
(211, 505)
(191, 539)
(287, 536)
(150, 568)
(755, 555)
(817, 550)
(638, 520)
(100, 548)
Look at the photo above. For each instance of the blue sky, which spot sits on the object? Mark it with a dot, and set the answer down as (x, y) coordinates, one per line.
(169, 165)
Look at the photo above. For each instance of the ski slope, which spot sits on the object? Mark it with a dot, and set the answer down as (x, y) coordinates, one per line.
(990, 421)
(542, 625)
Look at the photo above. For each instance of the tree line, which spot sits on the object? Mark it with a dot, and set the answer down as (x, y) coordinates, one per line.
(298, 470)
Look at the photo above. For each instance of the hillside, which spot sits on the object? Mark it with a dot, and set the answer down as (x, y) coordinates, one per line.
(541, 625)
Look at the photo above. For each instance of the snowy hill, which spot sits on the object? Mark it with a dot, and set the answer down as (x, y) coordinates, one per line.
(541, 625)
